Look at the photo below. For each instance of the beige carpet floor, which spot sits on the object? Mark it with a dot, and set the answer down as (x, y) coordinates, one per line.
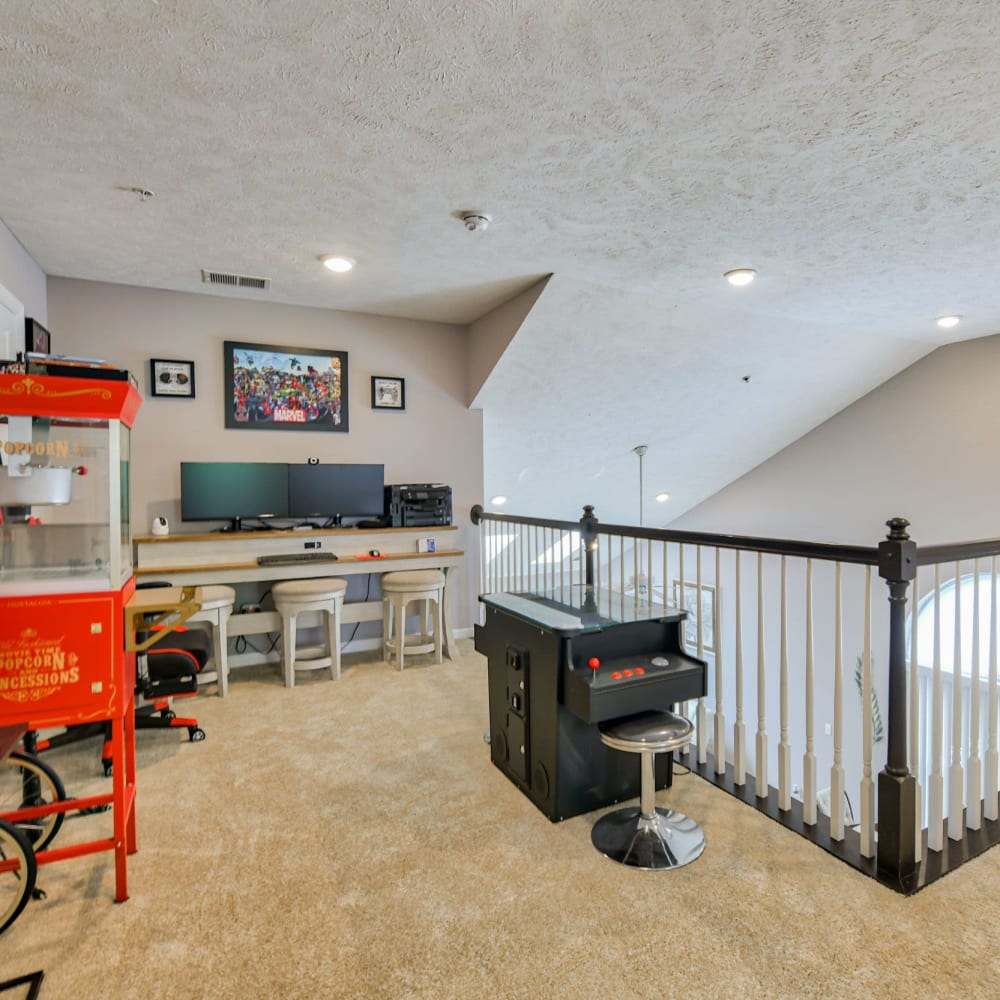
(353, 839)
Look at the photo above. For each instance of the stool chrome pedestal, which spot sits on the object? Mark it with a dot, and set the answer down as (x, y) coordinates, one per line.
(648, 837)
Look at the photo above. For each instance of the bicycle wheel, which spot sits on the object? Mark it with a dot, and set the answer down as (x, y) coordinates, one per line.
(27, 781)
(17, 873)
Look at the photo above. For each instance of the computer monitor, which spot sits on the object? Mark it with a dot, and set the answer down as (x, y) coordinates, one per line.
(336, 491)
(231, 491)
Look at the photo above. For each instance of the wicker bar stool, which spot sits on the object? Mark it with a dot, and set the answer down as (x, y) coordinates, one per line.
(295, 597)
(398, 591)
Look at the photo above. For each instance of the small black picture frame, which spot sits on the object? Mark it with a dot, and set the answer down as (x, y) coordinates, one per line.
(37, 339)
(171, 379)
(388, 392)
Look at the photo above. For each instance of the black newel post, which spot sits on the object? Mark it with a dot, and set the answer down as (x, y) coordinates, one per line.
(588, 539)
(897, 565)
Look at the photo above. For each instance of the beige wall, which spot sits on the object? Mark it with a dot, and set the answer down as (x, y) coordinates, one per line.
(490, 336)
(922, 445)
(436, 439)
(21, 276)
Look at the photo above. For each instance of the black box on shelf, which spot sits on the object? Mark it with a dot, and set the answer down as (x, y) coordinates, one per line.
(417, 505)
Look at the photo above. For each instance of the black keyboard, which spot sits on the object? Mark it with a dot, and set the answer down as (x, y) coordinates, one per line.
(290, 558)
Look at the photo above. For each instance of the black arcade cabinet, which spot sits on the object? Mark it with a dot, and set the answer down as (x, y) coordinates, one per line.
(561, 662)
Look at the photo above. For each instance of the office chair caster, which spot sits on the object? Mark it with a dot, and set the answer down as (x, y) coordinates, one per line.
(196, 734)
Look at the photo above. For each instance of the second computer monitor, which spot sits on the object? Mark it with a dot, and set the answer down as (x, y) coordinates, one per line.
(341, 490)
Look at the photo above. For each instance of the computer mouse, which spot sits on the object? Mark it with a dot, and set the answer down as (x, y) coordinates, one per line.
(374, 552)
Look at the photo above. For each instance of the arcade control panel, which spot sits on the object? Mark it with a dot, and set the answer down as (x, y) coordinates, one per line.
(598, 689)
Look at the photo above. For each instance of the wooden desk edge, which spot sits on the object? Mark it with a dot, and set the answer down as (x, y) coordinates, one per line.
(332, 563)
(215, 536)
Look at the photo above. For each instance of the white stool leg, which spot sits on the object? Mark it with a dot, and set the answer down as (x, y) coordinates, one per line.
(333, 639)
(386, 628)
(288, 645)
(438, 629)
(399, 607)
(220, 642)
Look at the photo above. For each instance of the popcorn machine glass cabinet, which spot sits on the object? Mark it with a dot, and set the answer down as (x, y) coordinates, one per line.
(64, 496)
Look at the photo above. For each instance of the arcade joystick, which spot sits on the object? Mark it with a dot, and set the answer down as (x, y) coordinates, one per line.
(595, 664)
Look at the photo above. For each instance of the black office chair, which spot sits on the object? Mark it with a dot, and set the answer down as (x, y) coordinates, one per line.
(168, 669)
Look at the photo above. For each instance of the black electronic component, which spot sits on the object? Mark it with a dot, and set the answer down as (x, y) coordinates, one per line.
(418, 506)
(290, 558)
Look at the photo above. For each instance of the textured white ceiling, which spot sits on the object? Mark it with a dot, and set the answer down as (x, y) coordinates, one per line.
(847, 150)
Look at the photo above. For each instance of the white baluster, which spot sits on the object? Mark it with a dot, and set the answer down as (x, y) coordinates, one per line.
(956, 773)
(621, 575)
(974, 766)
(520, 576)
(935, 779)
(837, 779)
(761, 744)
(867, 784)
(496, 581)
(666, 576)
(784, 747)
(649, 572)
(991, 779)
(701, 716)
(914, 724)
(484, 548)
(547, 554)
(503, 556)
(739, 729)
(809, 758)
(681, 597)
(720, 719)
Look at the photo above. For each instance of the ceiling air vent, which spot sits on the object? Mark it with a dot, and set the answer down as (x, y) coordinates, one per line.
(234, 280)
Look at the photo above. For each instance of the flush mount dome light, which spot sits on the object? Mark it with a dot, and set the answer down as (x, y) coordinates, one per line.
(662, 497)
(740, 276)
(947, 322)
(337, 263)
(499, 500)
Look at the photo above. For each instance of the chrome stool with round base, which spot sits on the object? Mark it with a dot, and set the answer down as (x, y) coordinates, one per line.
(648, 837)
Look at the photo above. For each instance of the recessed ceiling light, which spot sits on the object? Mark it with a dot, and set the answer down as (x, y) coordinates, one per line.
(499, 500)
(740, 276)
(662, 497)
(337, 263)
(947, 322)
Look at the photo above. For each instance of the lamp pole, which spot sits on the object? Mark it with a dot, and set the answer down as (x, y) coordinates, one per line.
(640, 450)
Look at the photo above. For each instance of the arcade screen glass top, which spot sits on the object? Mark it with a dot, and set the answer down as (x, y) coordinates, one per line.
(574, 609)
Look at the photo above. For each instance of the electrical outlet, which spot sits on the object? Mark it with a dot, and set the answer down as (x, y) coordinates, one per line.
(796, 792)
(828, 729)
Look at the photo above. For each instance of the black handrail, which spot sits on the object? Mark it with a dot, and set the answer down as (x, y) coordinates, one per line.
(865, 555)
(929, 555)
